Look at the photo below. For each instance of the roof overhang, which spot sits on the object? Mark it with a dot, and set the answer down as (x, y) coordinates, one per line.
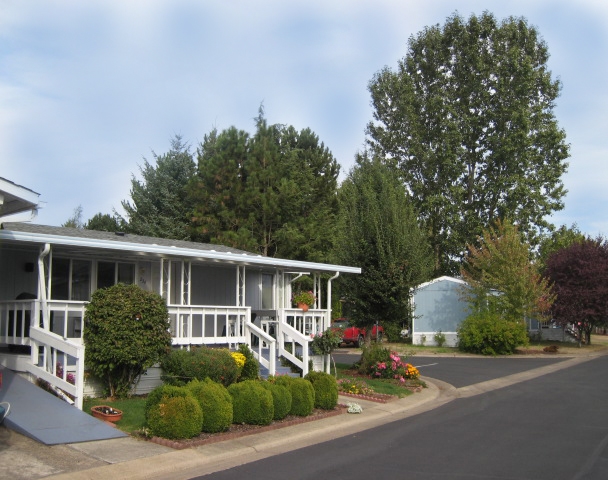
(16, 199)
(171, 251)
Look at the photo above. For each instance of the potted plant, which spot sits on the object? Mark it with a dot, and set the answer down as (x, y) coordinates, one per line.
(323, 344)
(107, 413)
(304, 299)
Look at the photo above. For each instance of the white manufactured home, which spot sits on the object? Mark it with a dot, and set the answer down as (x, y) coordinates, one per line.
(216, 295)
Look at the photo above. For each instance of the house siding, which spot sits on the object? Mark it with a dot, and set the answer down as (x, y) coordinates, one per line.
(438, 307)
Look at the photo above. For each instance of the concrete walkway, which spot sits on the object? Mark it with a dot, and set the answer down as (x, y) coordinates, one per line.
(129, 458)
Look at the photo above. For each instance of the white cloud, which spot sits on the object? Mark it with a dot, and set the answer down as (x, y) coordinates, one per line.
(89, 88)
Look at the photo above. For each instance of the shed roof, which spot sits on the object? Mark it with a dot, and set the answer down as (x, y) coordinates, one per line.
(441, 279)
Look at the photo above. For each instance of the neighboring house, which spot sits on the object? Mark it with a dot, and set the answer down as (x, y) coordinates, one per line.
(438, 307)
(216, 295)
(17, 203)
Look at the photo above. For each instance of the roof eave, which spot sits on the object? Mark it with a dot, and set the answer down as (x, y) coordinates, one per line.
(237, 258)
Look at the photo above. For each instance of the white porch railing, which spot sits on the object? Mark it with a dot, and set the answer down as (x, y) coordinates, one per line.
(205, 325)
(58, 361)
(55, 357)
(307, 323)
(296, 330)
(15, 320)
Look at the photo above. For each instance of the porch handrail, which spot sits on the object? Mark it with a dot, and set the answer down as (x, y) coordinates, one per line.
(263, 337)
(50, 349)
(295, 338)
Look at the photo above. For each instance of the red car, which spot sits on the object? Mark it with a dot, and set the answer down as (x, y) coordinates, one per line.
(354, 335)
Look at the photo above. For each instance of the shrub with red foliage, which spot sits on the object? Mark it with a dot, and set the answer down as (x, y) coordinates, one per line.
(580, 280)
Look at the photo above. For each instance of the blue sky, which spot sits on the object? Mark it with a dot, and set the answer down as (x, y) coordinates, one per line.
(88, 89)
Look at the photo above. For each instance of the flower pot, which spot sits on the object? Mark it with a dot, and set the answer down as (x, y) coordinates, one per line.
(303, 307)
(104, 412)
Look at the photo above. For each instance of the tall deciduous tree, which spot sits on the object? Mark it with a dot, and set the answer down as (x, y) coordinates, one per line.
(468, 117)
(560, 238)
(75, 221)
(159, 205)
(378, 231)
(273, 192)
(580, 279)
(503, 278)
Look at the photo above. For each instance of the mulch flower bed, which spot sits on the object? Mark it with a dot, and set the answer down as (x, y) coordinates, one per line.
(237, 431)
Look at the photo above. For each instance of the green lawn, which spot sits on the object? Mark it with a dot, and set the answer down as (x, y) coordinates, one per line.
(133, 417)
(378, 385)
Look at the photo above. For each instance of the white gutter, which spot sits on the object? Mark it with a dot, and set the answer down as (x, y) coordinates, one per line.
(237, 258)
(328, 321)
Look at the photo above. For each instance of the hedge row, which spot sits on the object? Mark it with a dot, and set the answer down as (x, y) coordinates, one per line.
(176, 412)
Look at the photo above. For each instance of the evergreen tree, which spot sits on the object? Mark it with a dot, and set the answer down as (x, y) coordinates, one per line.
(159, 205)
(378, 231)
(272, 193)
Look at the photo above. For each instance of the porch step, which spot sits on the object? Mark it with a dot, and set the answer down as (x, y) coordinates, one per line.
(280, 370)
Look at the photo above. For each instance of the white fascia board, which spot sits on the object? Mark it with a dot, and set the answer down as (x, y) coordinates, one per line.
(22, 193)
(236, 258)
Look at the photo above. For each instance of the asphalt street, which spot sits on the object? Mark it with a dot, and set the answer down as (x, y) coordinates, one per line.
(550, 428)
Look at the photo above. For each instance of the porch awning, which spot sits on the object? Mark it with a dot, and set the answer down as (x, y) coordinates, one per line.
(91, 240)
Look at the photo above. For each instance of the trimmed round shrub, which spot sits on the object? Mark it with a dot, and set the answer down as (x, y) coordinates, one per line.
(182, 366)
(302, 395)
(251, 369)
(251, 403)
(489, 334)
(215, 402)
(167, 391)
(326, 389)
(281, 399)
(175, 418)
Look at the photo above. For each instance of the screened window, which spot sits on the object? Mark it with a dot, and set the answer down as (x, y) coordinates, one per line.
(267, 292)
(111, 273)
(71, 279)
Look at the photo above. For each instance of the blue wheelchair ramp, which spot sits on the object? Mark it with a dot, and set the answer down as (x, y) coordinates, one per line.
(47, 419)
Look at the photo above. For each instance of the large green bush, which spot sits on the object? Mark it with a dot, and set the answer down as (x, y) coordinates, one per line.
(326, 390)
(251, 369)
(251, 403)
(176, 417)
(302, 395)
(489, 334)
(371, 355)
(281, 398)
(182, 366)
(126, 331)
(216, 403)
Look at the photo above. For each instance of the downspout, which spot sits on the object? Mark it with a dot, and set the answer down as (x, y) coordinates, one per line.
(42, 288)
(328, 318)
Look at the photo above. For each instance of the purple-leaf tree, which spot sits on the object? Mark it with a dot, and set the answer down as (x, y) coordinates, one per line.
(579, 274)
